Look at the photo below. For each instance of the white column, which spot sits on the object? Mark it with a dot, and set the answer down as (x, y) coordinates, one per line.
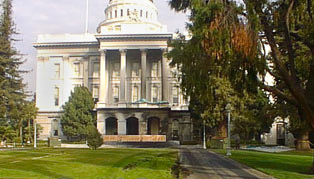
(103, 93)
(165, 75)
(143, 75)
(122, 75)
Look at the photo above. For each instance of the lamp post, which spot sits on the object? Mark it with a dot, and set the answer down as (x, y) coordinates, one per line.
(204, 135)
(228, 109)
(35, 134)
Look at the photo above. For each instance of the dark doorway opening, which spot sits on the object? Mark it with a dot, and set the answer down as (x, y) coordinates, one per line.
(111, 126)
(132, 126)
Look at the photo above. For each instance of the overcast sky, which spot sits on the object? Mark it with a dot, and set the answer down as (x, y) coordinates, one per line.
(33, 17)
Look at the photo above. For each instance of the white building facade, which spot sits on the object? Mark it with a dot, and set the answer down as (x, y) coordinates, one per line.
(124, 65)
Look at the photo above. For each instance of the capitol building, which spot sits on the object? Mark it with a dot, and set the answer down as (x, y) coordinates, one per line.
(124, 64)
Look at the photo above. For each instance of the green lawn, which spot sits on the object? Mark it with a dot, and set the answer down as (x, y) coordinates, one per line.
(284, 165)
(85, 163)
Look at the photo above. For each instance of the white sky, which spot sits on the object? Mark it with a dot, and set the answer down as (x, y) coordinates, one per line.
(33, 17)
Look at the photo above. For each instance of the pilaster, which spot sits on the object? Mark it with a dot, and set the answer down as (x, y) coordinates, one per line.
(121, 127)
(143, 74)
(85, 68)
(165, 75)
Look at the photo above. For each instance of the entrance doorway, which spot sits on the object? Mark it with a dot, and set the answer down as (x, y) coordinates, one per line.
(132, 126)
(111, 126)
(153, 126)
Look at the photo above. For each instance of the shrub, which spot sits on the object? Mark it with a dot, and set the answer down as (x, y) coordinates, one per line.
(94, 139)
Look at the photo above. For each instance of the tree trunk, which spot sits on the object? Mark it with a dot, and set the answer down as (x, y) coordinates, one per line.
(302, 142)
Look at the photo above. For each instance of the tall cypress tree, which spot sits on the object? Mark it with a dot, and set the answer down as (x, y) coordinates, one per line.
(12, 94)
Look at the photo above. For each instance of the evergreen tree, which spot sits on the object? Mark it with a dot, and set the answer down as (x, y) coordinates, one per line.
(94, 139)
(212, 65)
(233, 38)
(13, 104)
(78, 114)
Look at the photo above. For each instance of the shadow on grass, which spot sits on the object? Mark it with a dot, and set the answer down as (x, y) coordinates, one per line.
(39, 166)
(128, 159)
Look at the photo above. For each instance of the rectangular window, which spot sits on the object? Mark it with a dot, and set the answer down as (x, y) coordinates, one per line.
(135, 69)
(146, 14)
(56, 96)
(116, 94)
(155, 94)
(117, 28)
(110, 15)
(128, 12)
(115, 13)
(95, 92)
(56, 133)
(154, 69)
(135, 94)
(96, 69)
(141, 14)
(77, 69)
(121, 12)
(57, 70)
(175, 95)
(116, 70)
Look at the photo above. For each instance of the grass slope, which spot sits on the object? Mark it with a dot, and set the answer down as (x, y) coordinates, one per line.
(286, 165)
(81, 163)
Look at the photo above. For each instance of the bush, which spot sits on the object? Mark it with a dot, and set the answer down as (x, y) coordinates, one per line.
(94, 139)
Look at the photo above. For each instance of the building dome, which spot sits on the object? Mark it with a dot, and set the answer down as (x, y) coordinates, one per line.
(130, 16)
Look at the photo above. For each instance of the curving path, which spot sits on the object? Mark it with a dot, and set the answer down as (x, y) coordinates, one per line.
(203, 164)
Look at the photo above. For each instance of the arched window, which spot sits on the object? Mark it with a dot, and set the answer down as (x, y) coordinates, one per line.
(132, 126)
(153, 126)
(111, 126)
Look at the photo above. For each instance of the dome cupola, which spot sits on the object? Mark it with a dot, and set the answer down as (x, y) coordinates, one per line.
(130, 16)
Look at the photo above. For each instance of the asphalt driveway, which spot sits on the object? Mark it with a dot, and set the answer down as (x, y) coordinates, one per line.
(204, 164)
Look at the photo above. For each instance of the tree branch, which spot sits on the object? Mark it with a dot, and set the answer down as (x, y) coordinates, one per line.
(279, 93)
(288, 40)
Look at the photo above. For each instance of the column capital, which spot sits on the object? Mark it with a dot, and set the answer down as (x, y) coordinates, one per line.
(86, 57)
(143, 50)
(122, 51)
(40, 58)
(102, 51)
(66, 57)
(164, 50)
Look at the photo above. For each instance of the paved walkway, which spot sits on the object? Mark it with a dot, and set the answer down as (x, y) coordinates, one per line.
(203, 164)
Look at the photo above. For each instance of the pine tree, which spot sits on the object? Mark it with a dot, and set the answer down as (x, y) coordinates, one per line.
(12, 94)
(94, 139)
(78, 114)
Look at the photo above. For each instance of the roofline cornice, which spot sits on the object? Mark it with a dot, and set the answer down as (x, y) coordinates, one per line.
(65, 44)
(162, 36)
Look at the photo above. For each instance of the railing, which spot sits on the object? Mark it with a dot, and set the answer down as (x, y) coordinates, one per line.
(135, 138)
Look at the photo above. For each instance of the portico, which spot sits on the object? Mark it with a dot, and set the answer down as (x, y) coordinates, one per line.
(139, 71)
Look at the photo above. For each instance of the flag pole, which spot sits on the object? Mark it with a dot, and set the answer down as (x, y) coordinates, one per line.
(87, 7)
